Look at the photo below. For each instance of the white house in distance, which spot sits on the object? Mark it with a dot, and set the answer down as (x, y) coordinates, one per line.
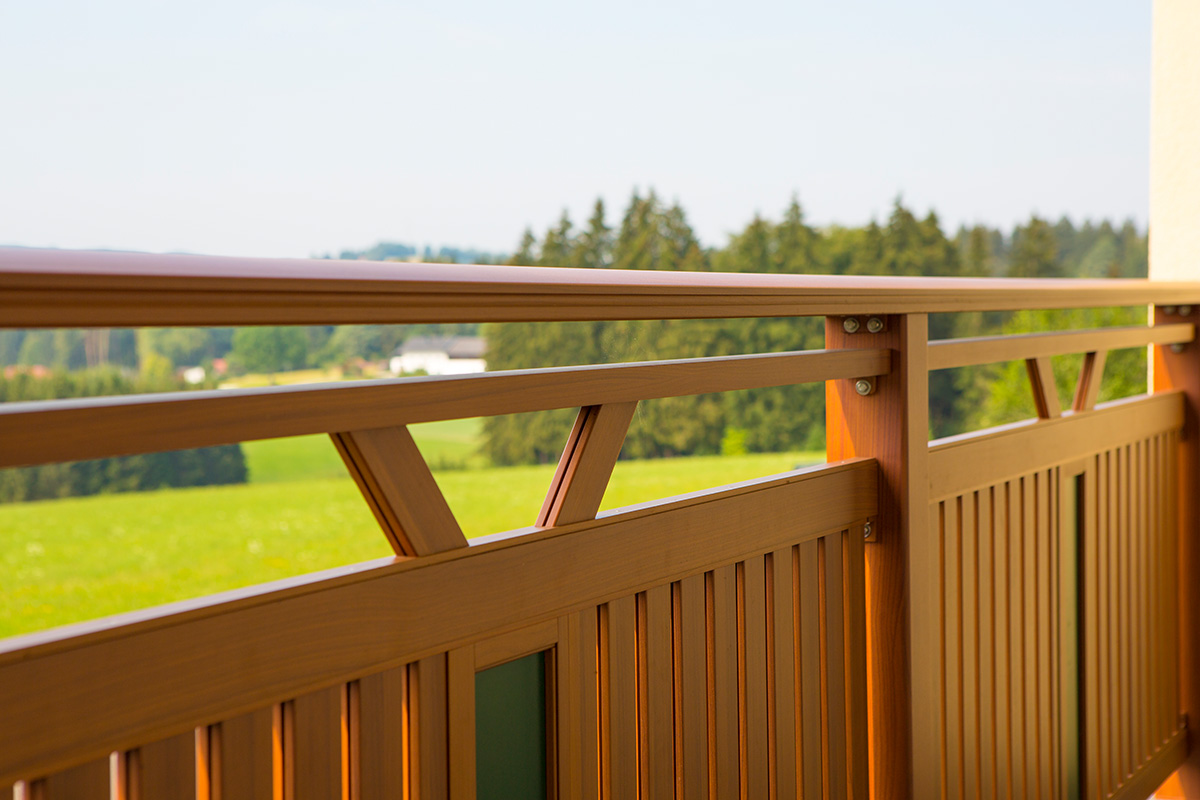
(440, 355)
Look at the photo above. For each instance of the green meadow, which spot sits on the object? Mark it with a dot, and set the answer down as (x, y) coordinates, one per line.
(64, 561)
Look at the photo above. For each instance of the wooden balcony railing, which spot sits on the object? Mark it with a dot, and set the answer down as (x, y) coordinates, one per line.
(1015, 624)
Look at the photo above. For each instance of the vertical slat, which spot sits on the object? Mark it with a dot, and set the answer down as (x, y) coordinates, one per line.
(1016, 627)
(1000, 543)
(88, 781)
(952, 637)
(785, 700)
(317, 726)
(1044, 528)
(659, 766)
(383, 756)
(754, 626)
(584, 757)
(1140, 618)
(1122, 599)
(986, 652)
(693, 726)
(969, 592)
(247, 756)
(855, 626)
(806, 576)
(168, 768)
(1113, 592)
(428, 729)
(1104, 620)
(724, 690)
(1030, 626)
(1089, 628)
(1153, 569)
(833, 614)
(620, 668)
(460, 714)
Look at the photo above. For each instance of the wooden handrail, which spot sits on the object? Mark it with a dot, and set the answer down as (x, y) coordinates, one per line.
(61, 288)
(67, 430)
(949, 353)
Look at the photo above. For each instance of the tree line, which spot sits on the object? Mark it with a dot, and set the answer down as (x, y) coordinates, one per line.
(652, 234)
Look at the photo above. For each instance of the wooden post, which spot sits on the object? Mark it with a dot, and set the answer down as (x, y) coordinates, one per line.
(891, 424)
(1181, 370)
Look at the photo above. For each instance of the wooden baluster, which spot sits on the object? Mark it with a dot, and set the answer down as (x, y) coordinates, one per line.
(587, 463)
(397, 484)
(1045, 392)
(1088, 387)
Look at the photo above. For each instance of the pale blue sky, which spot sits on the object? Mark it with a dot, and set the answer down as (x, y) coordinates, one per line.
(289, 129)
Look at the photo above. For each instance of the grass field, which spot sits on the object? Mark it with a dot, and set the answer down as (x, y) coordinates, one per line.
(63, 561)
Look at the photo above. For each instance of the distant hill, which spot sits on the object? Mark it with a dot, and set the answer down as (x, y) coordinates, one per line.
(384, 251)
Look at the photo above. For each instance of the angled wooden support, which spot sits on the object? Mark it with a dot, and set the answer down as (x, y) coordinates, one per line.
(1045, 393)
(587, 463)
(397, 484)
(1090, 376)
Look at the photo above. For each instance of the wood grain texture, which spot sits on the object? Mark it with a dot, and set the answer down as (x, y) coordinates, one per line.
(902, 584)
(584, 757)
(754, 676)
(509, 646)
(723, 687)
(951, 353)
(810, 643)
(429, 764)
(587, 463)
(658, 757)
(167, 768)
(383, 736)
(1041, 383)
(971, 461)
(460, 703)
(693, 726)
(245, 757)
(88, 781)
(67, 430)
(854, 618)
(1091, 375)
(619, 728)
(319, 770)
(785, 707)
(319, 629)
(396, 482)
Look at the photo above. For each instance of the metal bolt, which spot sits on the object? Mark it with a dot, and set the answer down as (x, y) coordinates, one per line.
(1185, 311)
(1177, 347)
(864, 386)
(1168, 310)
(866, 530)
(850, 325)
(874, 325)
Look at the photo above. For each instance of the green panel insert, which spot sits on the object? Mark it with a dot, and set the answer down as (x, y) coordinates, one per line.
(510, 730)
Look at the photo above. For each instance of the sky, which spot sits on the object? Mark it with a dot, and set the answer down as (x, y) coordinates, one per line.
(301, 128)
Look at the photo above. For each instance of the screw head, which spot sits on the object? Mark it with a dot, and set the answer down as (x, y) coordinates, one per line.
(866, 530)
(1177, 347)
(874, 325)
(863, 386)
(1185, 311)
(1168, 310)
(850, 325)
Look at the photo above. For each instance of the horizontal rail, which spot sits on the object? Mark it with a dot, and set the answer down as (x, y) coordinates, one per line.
(969, 461)
(167, 670)
(62, 288)
(68, 430)
(949, 353)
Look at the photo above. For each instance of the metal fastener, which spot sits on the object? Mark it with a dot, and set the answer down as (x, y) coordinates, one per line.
(864, 386)
(866, 530)
(1185, 311)
(1177, 347)
(1168, 310)
(850, 325)
(874, 325)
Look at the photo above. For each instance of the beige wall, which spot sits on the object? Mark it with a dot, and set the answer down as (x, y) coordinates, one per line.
(1175, 142)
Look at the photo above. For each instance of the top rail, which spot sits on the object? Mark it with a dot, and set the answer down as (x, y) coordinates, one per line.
(62, 288)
